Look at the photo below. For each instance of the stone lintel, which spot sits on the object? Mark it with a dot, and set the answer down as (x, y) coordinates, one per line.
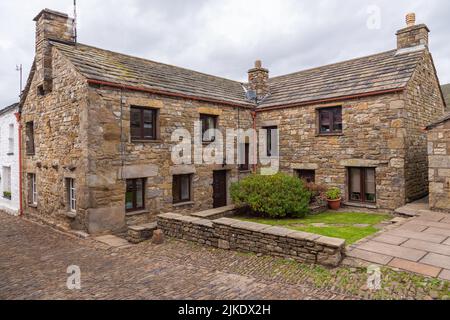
(270, 123)
(182, 169)
(359, 163)
(210, 111)
(304, 166)
(139, 171)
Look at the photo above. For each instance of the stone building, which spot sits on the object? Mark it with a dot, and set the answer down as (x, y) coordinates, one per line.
(439, 163)
(98, 126)
(9, 160)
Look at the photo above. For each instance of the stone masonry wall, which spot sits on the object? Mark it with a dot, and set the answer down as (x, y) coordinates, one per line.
(60, 144)
(424, 104)
(439, 166)
(233, 234)
(109, 167)
(373, 136)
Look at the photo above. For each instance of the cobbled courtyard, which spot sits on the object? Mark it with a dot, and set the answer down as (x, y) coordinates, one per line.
(34, 261)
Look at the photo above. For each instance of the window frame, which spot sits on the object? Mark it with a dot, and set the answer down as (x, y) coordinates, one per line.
(32, 189)
(11, 142)
(135, 193)
(177, 189)
(29, 134)
(71, 195)
(269, 138)
(155, 116)
(301, 175)
(245, 166)
(363, 174)
(215, 120)
(331, 114)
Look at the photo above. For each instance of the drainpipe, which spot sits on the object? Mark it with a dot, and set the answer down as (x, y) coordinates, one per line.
(255, 151)
(17, 114)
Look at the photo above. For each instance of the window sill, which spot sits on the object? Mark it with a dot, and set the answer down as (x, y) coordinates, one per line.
(360, 205)
(329, 134)
(245, 171)
(182, 204)
(71, 214)
(7, 198)
(136, 213)
(32, 205)
(10, 154)
(157, 141)
(30, 154)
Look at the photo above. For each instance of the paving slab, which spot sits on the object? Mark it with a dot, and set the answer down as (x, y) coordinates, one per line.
(412, 227)
(390, 239)
(113, 241)
(377, 258)
(417, 235)
(427, 246)
(437, 260)
(415, 267)
(441, 232)
(446, 219)
(394, 251)
(432, 216)
(433, 224)
(447, 242)
(445, 275)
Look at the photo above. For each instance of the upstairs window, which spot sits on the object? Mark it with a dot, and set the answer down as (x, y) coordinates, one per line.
(244, 156)
(272, 141)
(11, 140)
(29, 138)
(143, 123)
(330, 120)
(209, 122)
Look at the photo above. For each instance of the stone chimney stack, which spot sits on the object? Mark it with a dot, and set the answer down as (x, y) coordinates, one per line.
(413, 35)
(50, 25)
(258, 80)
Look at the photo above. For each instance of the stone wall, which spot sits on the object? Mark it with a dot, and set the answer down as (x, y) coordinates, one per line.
(373, 136)
(424, 104)
(60, 119)
(439, 166)
(230, 234)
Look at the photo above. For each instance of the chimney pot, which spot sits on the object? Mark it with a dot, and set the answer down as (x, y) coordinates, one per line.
(411, 19)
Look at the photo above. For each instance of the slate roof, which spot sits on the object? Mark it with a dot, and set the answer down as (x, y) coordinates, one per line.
(371, 74)
(439, 121)
(446, 93)
(9, 108)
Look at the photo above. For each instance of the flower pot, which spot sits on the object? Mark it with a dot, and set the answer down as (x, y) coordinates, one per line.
(334, 204)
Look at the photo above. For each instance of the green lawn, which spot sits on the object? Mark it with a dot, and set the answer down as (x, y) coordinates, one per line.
(351, 226)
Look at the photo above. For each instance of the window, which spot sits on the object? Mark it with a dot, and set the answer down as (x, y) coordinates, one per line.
(30, 138)
(32, 189)
(135, 195)
(330, 120)
(143, 123)
(272, 141)
(181, 188)
(6, 177)
(208, 123)
(362, 185)
(11, 140)
(244, 156)
(309, 176)
(71, 195)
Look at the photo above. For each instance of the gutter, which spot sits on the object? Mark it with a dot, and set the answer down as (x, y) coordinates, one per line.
(255, 151)
(18, 116)
(166, 93)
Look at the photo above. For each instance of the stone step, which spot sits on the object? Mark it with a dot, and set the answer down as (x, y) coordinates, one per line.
(406, 212)
(140, 233)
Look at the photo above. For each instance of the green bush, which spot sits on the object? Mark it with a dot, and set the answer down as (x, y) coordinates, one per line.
(276, 196)
(334, 194)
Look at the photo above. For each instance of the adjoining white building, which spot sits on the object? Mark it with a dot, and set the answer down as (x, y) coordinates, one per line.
(9, 160)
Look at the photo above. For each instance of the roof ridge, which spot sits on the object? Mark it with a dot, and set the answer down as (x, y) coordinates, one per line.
(146, 60)
(333, 64)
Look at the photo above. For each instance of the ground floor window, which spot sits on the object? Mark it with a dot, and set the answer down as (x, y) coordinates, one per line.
(362, 185)
(71, 195)
(309, 176)
(244, 156)
(32, 189)
(6, 177)
(135, 195)
(181, 188)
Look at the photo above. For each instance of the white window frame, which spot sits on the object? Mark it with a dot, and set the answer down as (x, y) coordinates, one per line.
(33, 189)
(72, 196)
(11, 139)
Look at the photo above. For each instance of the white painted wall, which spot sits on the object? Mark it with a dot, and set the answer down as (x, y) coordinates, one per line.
(8, 159)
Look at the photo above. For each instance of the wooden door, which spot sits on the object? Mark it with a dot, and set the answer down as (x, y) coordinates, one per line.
(220, 189)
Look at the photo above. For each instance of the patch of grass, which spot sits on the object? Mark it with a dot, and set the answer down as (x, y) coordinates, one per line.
(337, 224)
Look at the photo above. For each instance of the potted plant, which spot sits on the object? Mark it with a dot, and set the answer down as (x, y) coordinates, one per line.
(334, 198)
(7, 195)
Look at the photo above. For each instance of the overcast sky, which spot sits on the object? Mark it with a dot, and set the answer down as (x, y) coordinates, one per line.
(225, 37)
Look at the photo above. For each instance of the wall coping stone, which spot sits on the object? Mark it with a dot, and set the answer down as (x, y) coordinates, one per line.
(213, 212)
(278, 231)
(226, 221)
(143, 227)
(331, 242)
(251, 226)
(300, 235)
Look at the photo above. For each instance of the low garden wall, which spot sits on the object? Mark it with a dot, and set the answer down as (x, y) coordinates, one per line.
(231, 234)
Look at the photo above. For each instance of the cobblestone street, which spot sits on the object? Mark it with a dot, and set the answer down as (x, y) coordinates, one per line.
(34, 260)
